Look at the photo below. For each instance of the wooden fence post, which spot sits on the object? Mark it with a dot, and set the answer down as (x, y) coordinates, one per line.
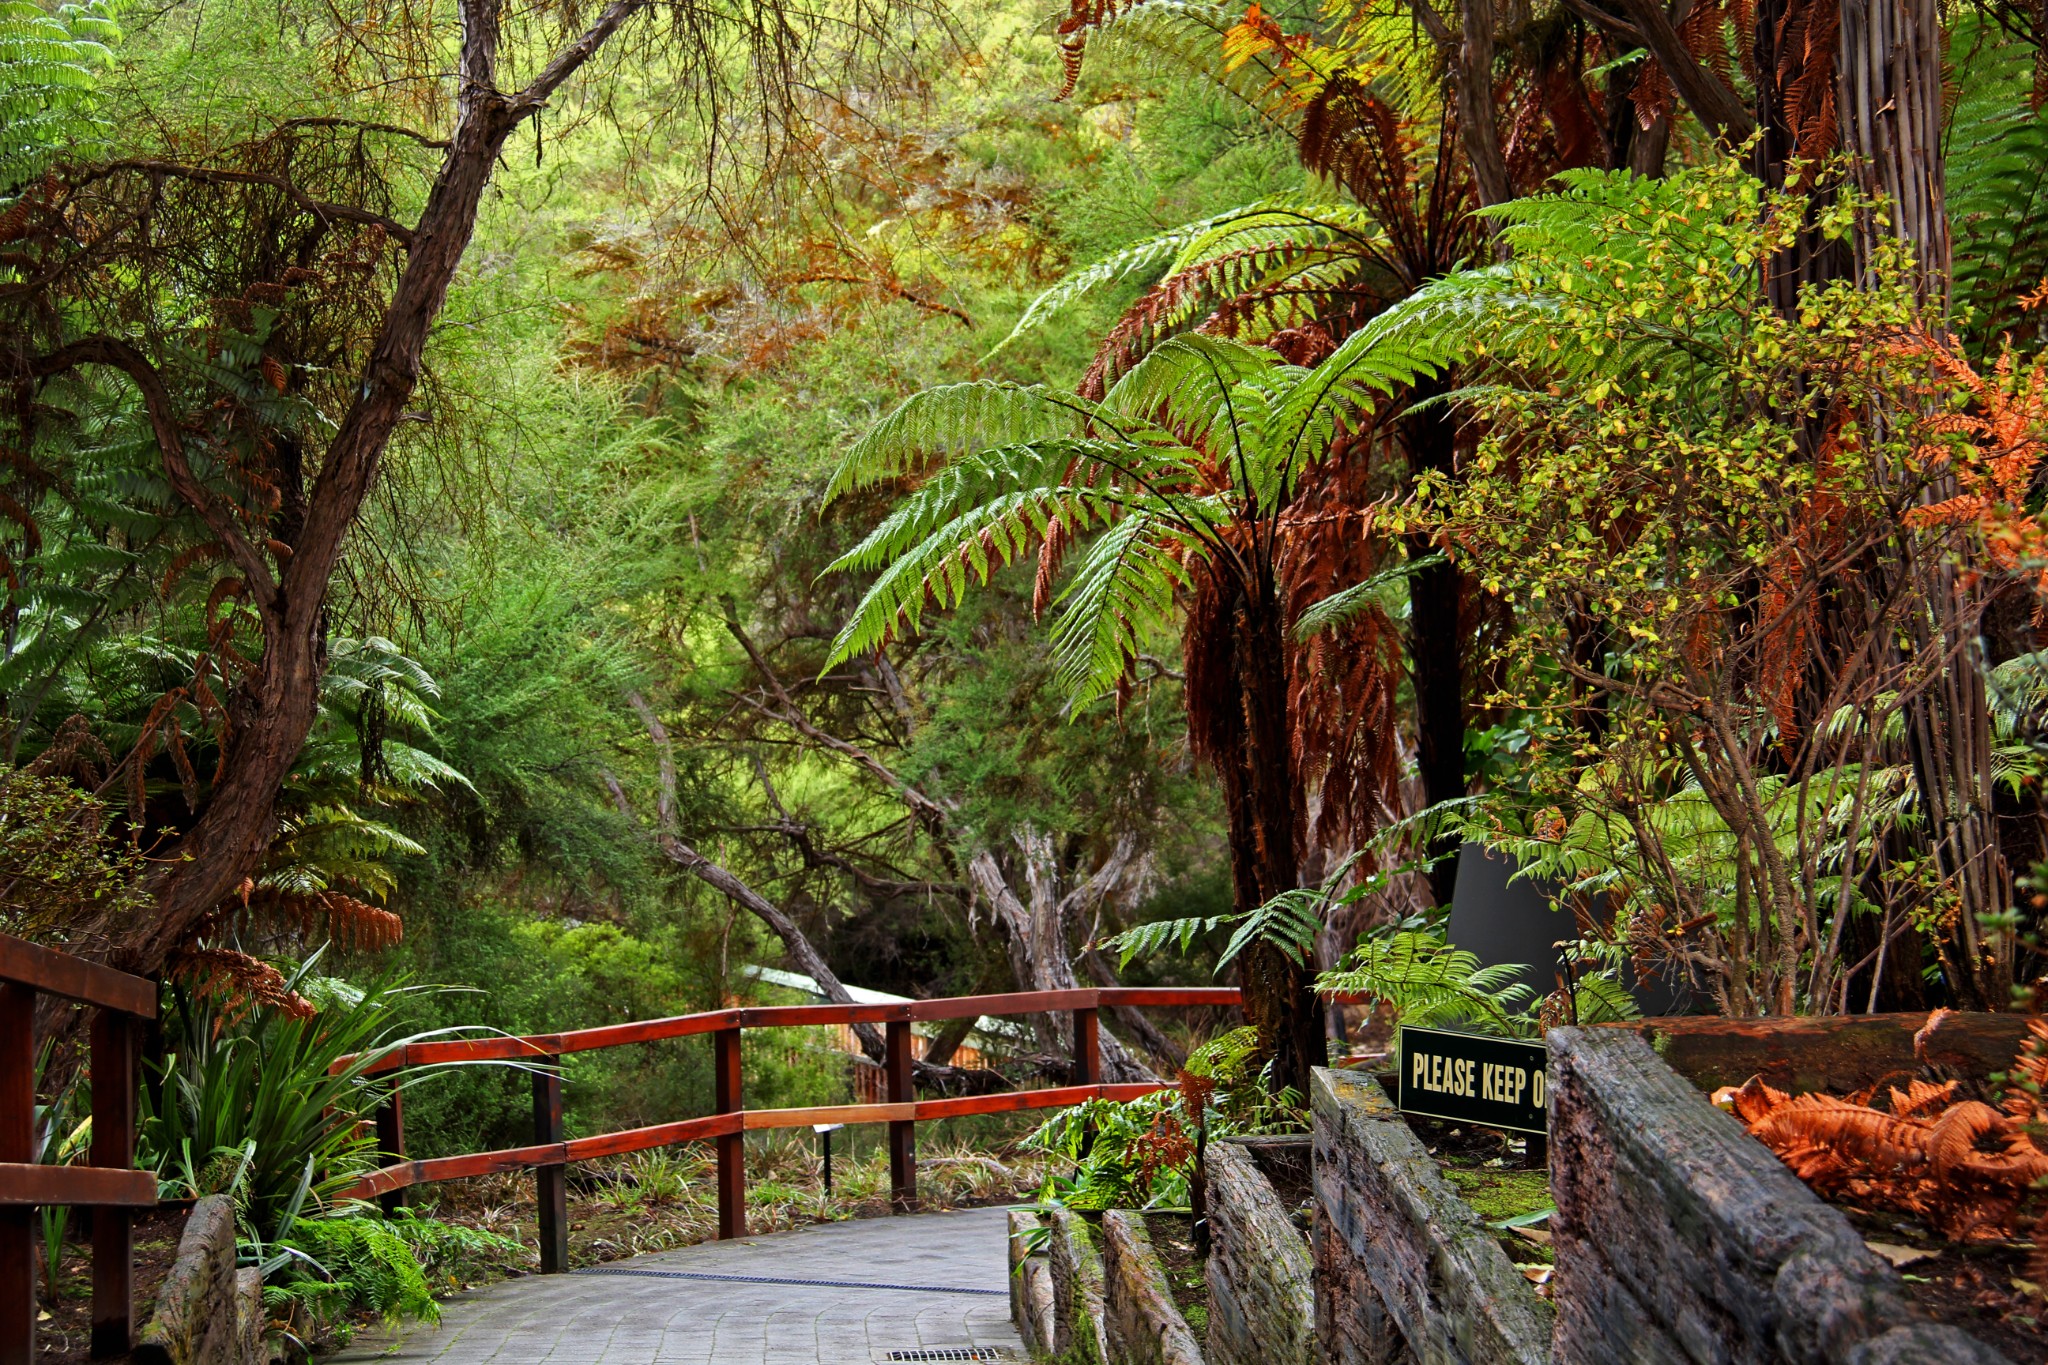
(1087, 1064)
(391, 1142)
(902, 1132)
(114, 1047)
(732, 1148)
(1087, 1048)
(550, 1182)
(17, 1144)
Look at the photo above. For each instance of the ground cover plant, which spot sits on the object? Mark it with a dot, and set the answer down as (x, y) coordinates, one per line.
(590, 511)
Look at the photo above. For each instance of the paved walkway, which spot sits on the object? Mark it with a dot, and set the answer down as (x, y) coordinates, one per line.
(833, 1294)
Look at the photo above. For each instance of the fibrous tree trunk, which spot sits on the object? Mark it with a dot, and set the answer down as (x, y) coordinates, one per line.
(1436, 641)
(1244, 731)
(1038, 935)
(273, 710)
(1889, 98)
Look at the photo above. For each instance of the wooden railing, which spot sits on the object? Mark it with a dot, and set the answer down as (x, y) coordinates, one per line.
(109, 1185)
(731, 1120)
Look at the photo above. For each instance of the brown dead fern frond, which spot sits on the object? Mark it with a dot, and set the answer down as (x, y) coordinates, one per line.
(1967, 1168)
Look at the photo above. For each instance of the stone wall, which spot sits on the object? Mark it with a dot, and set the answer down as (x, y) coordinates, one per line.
(1680, 1238)
(1141, 1324)
(1261, 1297)
(1404, 1269)
(207, 1312)
(1030, 1284)
(1077, 1291)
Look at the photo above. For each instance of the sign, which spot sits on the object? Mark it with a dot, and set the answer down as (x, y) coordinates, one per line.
(1472, 1078)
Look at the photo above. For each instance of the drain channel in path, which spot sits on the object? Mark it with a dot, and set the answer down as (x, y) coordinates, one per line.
(816, 1284)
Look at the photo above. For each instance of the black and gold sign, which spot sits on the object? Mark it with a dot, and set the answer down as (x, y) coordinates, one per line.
(1473, 1078)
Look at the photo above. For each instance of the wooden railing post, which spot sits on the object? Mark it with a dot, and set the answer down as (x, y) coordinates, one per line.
(114, 1047)
(732, 1147)
(17, 1144)
(550, 1182)
(391, 1139)
(1087, 1048)
(902, 1132)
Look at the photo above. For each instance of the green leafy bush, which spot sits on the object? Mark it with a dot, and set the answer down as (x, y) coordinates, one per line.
(59, 881)
(336, 1266)
(1140, 1153)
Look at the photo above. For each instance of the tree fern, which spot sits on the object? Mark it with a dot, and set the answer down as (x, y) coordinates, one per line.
(49, 85)
(1021, 461)
(1425, 981)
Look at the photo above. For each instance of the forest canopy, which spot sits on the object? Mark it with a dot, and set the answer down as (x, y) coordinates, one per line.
(599, 507)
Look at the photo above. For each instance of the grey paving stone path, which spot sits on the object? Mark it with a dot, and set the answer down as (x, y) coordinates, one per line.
(835, 1294)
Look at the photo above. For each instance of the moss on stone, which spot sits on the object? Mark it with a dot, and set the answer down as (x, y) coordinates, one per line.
(1496, 1194)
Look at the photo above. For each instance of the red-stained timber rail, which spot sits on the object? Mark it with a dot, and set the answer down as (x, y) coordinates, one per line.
(108, 1185)
(731, 1120)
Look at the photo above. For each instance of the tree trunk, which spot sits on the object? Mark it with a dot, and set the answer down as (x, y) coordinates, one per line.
(1436, 643)
(273, 711)
(1890, 102)
(1262, 801)
(1478, 119)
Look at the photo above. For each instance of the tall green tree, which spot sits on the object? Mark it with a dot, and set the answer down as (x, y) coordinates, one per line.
(1186, 500)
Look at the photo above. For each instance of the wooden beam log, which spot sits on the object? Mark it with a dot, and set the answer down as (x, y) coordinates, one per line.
(1835, 1054)
(73, 978)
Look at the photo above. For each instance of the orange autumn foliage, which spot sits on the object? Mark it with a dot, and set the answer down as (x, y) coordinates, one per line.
(1993, 467)
(1966, 1168)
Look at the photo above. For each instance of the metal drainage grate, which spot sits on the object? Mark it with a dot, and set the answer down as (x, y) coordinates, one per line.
(948, 1353)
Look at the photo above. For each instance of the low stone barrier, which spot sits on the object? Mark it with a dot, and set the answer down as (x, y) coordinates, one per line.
(1030, 1284)
(1261, 1297)
(1405, 1270)
(1679, 1238)
(1077, 1291)
(1141, 1324)
(207, 1312)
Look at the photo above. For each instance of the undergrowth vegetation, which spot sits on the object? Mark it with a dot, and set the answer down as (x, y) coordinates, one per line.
(932, 502)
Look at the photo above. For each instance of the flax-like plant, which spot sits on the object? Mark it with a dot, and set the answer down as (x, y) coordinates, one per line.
(268, 1103)
(1181, 499)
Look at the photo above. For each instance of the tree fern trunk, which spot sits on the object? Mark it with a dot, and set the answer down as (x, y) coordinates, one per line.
(1888, 94)
(1436, 643)
(1888, 99)
(1264, 804)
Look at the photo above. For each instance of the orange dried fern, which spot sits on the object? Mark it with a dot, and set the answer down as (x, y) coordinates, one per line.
(1966, 1168)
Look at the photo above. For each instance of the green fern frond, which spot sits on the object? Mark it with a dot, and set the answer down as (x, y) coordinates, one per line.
(967, 548)
(50, 67)
(959, 419)
(1240, 251)
(1427, 982)
(1340, 607)
(1120, 596)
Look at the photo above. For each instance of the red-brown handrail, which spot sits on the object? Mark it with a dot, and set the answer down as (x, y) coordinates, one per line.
(732, 1120)
(109, 1185)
